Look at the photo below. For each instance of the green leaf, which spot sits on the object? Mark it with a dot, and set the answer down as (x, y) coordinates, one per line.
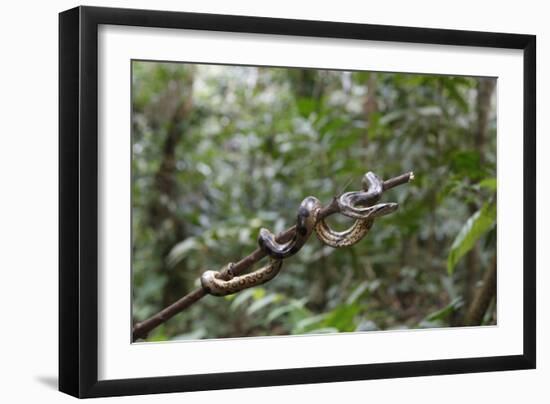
(391, 117)
(475, 227)
(306, 106)
(197, 334)
(489, 183)
(241, 298)
(467, 164)
(342, 318)
(294, 305)
(181, 250)
(159, 334)
(261, 303)
(432, 110)
(445, 311)
(308, 323)
(345, 140)
(454, 94)
(357, 292)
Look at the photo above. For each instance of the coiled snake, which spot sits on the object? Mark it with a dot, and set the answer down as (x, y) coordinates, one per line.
(348, 204)
(211, 282)
(305, 223)
(360, 205)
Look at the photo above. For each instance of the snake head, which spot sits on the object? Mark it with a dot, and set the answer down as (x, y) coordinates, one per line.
(383, 209)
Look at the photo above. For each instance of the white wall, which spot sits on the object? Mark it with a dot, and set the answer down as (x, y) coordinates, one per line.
(28, 214)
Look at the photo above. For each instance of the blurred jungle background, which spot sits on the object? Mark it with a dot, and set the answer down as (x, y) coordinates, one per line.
(220, 151)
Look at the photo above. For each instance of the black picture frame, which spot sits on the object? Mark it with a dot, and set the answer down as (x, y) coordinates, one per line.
(78, 200)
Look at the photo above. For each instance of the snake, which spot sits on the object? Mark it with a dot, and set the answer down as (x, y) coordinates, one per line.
(212, 283)
(345, 238)
(306, 220)
(362, 204)
(372, 191)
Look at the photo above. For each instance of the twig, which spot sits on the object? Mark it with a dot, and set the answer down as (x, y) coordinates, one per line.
(141, 329)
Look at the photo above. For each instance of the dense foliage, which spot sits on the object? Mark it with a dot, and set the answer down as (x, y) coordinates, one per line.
(220, 151)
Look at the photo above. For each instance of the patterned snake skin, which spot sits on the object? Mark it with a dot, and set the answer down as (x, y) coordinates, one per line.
(360, 205)
(305, 223)
(211, 282)
(372, 190)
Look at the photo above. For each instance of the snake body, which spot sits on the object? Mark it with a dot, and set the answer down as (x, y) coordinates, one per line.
(362, 204)
(348, 204)
(345, 238)
(305, 223)
(211, 282)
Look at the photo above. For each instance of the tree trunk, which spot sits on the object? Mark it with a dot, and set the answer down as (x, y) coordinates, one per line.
(483, 107)
(483, 297)
(162, 214)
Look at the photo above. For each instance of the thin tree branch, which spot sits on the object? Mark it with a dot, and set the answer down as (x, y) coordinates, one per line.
(143, 328)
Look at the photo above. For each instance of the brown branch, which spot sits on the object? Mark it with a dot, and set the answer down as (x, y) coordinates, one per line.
(141, 329)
